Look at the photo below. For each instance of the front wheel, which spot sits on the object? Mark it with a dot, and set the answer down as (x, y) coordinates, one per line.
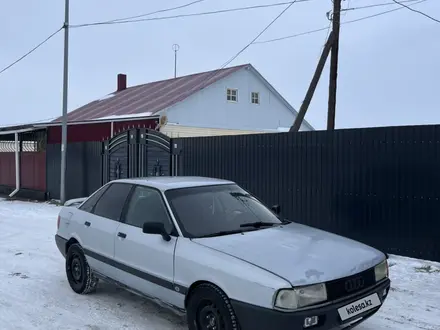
(80, 276)
(210, 309)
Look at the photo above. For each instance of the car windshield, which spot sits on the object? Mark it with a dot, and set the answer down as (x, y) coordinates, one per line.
(218, 210)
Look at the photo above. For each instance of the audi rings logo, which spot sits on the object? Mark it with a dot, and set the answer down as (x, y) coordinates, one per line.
(354, 284)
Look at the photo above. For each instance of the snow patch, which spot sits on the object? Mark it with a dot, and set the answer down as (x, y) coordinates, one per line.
(35, 295)
(128, 116)
(106, 97)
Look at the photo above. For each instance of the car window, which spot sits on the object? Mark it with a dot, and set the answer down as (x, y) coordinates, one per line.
(112, 202)
(90, 203)
(146, 205)
(202, 211)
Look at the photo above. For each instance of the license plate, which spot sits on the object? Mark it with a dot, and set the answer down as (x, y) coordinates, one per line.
(359, 306)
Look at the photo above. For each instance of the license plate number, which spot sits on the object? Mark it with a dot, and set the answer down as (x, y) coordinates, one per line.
(359, 306)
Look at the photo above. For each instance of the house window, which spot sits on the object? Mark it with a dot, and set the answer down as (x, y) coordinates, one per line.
(232, 95)
(255, 98)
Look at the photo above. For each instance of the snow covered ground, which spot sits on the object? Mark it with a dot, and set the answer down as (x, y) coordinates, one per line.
(34, 293)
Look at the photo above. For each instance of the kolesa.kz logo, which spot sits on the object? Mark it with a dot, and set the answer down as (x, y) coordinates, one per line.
(356, 308)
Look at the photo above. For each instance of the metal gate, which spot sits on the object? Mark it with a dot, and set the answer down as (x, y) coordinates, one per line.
(139, 152)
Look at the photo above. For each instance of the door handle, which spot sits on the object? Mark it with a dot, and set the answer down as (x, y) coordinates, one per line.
(87, 224)
(122, 235)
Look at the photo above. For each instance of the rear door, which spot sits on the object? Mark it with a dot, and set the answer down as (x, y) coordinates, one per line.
(147, 261)
(99, 222)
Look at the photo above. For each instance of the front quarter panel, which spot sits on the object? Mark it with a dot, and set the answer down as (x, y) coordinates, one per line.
(239, 279)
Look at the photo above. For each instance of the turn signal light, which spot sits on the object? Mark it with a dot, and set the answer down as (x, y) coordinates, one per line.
(58, 222)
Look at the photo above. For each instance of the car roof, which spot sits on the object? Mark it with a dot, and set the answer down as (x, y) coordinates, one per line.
(164, 183)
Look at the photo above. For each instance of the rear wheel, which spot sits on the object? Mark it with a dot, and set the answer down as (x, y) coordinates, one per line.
(80, 276)
(210, 309)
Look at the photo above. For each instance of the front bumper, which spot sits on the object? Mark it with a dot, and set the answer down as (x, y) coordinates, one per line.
(257, 318)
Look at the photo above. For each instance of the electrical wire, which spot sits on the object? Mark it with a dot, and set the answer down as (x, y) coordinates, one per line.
(344, 11)
(156, 12)
(376, 5)
(259, 34)
(326, 36)
(416, 11)
(221, 11)
(325, 28)
(216, 72)
(31, 51)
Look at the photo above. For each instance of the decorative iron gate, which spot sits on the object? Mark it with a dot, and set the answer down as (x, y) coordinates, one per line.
(139, 152)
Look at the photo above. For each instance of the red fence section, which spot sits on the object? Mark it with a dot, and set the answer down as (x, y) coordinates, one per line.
(33, 170)
(7, 169)
(96, 131)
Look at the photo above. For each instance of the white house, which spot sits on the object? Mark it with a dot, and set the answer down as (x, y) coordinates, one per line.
(235, 100)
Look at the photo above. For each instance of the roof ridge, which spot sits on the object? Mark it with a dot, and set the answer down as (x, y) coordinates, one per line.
(187, 76)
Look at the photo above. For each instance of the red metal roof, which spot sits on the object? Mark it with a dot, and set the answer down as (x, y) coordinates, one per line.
(149, 98)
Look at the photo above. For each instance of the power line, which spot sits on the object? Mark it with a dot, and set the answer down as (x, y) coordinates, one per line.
(155, 12)
(325, 28)
(221, 11)
(416, 11)
(216, 72)
(258, 35)
(31, 51)
(376, 5)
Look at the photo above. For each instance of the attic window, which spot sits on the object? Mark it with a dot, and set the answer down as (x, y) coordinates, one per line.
(232, 95)
(255, 98)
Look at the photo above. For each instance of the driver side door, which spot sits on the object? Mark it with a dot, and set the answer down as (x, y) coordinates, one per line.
(147, 260)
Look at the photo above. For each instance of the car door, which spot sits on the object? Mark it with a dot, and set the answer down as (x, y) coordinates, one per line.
(100, 221)
(146, 260)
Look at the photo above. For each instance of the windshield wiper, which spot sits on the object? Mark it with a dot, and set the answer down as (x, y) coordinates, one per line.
(259, 224)
(222, 233)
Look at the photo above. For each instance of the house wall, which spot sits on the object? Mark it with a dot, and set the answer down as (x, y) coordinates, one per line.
(209, 108)
(174, 131)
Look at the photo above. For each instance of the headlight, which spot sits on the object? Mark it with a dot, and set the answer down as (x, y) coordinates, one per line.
(381, 271)
(301, 296)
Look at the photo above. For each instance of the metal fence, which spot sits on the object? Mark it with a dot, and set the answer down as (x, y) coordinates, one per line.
(380, 186)
(83, 169)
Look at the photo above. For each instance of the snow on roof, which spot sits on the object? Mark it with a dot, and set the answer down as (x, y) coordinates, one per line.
(133, 115)
(176, 182)
(106, 97)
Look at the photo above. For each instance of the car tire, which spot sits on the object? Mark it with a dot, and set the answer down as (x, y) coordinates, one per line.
(209, 308)
(80, 276)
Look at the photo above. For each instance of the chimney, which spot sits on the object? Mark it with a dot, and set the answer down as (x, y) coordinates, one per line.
(122, 82)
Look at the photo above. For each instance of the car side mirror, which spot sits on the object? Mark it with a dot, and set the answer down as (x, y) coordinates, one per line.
(156, 228)
(276, 209)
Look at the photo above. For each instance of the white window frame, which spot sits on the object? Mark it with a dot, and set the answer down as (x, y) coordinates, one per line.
(228, 94)
(258, 98)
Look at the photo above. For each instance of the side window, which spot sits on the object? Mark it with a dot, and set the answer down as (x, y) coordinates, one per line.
(112, 201)
(90, 203)
(146, 205)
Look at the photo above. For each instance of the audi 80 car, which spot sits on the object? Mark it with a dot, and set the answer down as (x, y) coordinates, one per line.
(208, 248)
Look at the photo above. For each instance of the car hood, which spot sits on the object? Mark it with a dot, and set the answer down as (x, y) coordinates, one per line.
(300, 254)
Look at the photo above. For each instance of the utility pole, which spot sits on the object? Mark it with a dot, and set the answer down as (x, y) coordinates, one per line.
(312, 87)
(334, 65)
(65, 94)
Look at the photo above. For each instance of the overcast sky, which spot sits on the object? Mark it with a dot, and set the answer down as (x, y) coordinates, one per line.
(389, 65)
